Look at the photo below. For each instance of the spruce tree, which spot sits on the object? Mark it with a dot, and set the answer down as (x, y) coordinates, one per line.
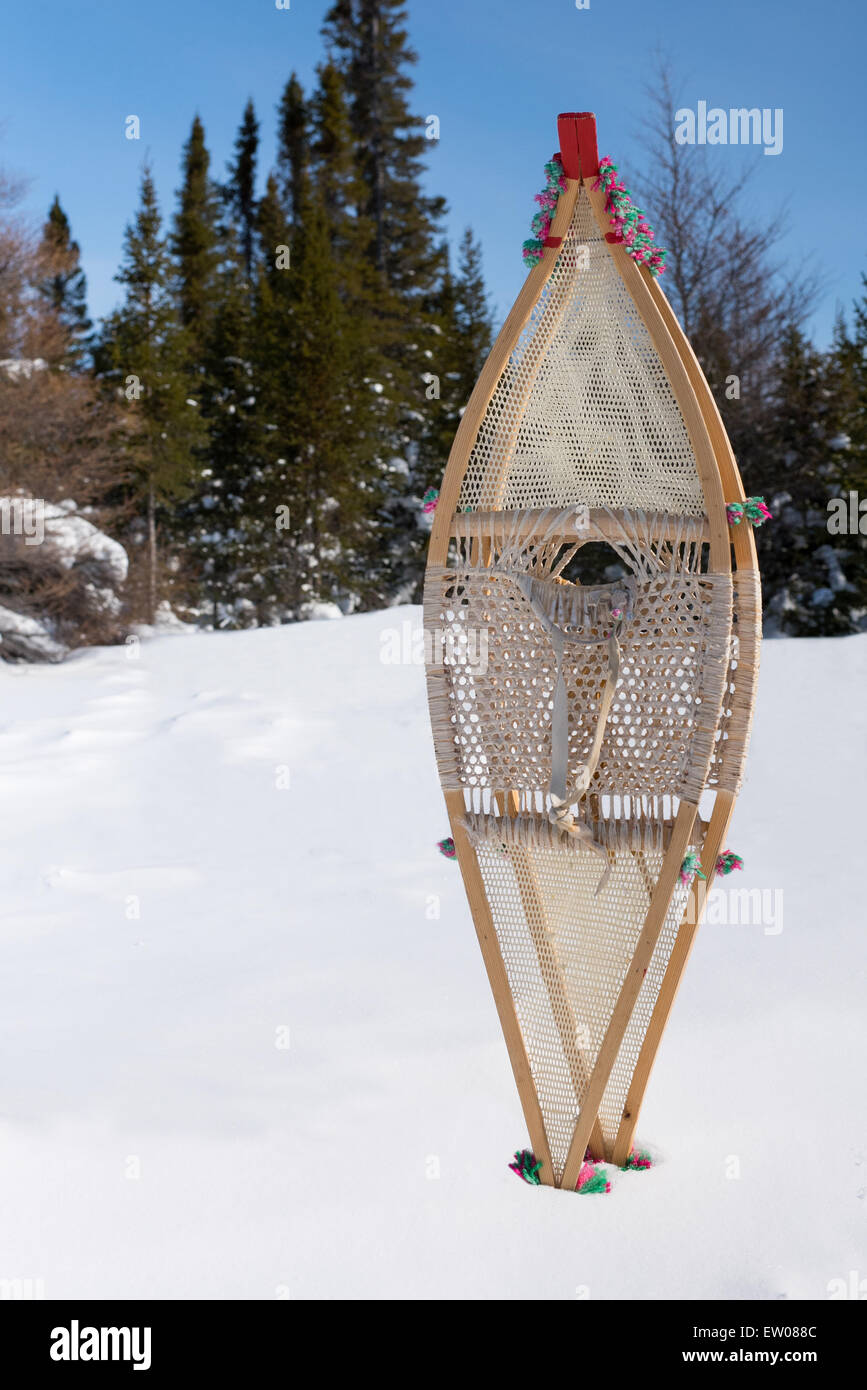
(847, 386)
(202, 245)
(293, 140)
(474, 322)
(273, 231)
(368, 41)
(146, 350)
(807, 589)
(240, 189)
(333, 152)
(223, 525)
(63, 285)
(323, 419)
(462, 331)
(274, 371)
(195, 240)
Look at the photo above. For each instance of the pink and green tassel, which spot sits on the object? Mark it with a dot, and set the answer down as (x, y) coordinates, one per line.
(638, 1159)
(527, 1166)
(429, 501)
(691, 867)
(753, 509)
(592, 1179)
(547, 200)
(447, 847)
(725, 864)
(629, 223)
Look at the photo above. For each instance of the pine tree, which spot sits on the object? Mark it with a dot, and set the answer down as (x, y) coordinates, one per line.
(63, 285)
(273, 232)
(366, 41)
(293, 140)
(223, 524)
(206, 266)
(333, 153)
(807, 589)
(324, 418)
(462, 330)
(240, 190)
(195, 240)
(369, 43)
(847, 386)
(146, 351)
(275, 372)
(474, 322)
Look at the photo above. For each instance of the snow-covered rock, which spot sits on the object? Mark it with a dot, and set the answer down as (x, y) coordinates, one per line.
(75, 539)
(22, 368)
(26, 639)
(39, 530)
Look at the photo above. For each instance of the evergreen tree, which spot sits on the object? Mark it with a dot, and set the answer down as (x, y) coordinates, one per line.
(324, 417)
(369, 43)
(333, 153)
(293, 140)
(274, 371)
(145, 350)
(807, 588)
(240, 190)
(63, 285)
(847, 386)
(195, 241)
(462, 331)
(474, 322)
(223, 524)
(206, 267)
(272, 232)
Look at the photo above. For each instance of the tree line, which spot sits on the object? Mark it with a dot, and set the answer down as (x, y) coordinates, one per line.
(280, 383)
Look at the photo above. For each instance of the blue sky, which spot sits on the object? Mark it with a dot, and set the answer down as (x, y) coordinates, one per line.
(495, 72)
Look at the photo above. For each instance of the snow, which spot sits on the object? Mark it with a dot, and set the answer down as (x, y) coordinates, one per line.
(72, 538)
(16, 368)
(245, 1058)
(75, 539)
(39, 639)
(318, 611)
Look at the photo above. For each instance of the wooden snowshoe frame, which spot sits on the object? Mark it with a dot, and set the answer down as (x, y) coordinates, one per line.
(515, 902)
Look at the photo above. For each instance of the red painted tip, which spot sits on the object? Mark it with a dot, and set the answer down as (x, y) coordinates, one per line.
(577, 132)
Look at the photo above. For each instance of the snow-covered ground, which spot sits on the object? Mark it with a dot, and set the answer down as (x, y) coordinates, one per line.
(242, 1055)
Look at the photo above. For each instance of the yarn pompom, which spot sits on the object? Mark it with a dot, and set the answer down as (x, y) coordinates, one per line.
(728, 862)
(753, 509)
(756, 512)
(592, 1179)
(541, 225)
(629, 224)
(447, 847)
(691, 868)
(638, 1159)
(430, 499)
(527, 1166)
